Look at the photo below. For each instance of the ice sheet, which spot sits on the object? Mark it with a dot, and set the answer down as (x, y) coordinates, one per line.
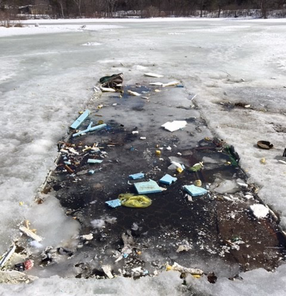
(46, 79)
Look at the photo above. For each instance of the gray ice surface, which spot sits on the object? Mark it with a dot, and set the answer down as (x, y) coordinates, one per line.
(46, 79)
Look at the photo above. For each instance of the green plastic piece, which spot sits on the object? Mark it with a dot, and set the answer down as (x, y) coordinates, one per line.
(134, 201)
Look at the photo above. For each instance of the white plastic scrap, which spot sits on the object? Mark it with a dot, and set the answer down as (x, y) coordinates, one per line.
(172, 83)
(182, 269)
(107, 270)
(30, 233)
(174, 125)
(87, 237)
(107, 89)
(134, 93)
(153, 75)
(259, 211)
(7, 255)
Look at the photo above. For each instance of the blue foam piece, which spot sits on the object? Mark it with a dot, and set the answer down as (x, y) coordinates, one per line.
(195, 190)
(147, 187)
(137, 176)
(92, 161)
(114, 203)
(167, 179)
(80, 119)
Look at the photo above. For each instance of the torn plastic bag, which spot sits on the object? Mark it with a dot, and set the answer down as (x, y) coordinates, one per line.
(134, 201)
(114, 81)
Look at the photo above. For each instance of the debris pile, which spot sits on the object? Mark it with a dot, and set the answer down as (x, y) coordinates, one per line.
(147, 194)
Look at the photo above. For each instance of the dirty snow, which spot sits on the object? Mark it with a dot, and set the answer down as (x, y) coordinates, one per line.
(47, 78)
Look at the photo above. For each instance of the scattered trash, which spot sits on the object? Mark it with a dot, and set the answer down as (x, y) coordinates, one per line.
(182, 269)
(7, 255)
(134, 201)
(107, 89)
(87, 237)
(153, 75)
(80, 119)
(184, 247)
(282, 161)
(198, 183)
(263, 160)
(212, 278)
(27, 265)
(90, 129)
(174, 125)
(147, 187)
(264, 145)
(107, 271)
(234, 157)
(197, 166)
(134, 93)
(158, 152)
(188, 197)
(172, 83)
(114, 203)
(168, 179)
(176, 165)
(92, 161)
(259, 211)
(137, 176)
(30, 233)
(114, 81)
(195, 190)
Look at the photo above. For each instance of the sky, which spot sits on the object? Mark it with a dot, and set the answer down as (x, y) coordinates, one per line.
(48, 70)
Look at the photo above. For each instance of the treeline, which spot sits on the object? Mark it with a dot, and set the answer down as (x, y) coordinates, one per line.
(142, 8)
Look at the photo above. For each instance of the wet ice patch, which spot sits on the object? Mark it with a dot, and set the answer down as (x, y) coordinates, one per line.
(226, 186)
(40, 146)
(101, 222)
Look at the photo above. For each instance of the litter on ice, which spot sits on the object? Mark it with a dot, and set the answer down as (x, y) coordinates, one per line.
(259, 211)
(175, 125)
(195, 190)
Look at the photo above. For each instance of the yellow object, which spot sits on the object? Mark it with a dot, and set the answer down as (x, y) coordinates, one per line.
(158, 152)
(134, 201)
(198, 183)
(179, 170)
(21, 203)
(263, 160)
(168, 267)
(196, 276)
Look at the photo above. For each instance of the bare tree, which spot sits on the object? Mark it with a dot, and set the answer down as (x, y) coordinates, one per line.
(78, 4)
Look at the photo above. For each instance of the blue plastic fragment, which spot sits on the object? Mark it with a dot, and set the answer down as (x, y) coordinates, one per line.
(92, 161)
(147, 187)
(114, 203)
(80, 119)
(168, 179)
(195, 190)
(137, 176)
(90, 129)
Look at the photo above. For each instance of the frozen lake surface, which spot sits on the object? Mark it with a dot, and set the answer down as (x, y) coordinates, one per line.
(47, 75)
